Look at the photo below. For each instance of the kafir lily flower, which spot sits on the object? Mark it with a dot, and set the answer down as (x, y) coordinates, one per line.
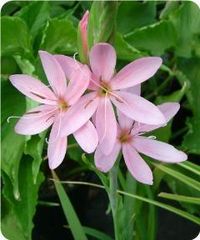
(131, 142)
(82, 31)
(110, 89)
(62, 101)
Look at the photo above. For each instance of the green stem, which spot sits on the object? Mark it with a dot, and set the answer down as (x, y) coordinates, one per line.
(113, 197)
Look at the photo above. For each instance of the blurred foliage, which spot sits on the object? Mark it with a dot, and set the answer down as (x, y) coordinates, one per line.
(167, 29)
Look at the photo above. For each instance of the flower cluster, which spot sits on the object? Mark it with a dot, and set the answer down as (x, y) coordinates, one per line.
(101, 108)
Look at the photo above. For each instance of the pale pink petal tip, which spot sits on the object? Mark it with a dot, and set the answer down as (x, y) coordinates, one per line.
(102, 61)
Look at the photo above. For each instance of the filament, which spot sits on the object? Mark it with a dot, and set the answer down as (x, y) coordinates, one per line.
(29, 117)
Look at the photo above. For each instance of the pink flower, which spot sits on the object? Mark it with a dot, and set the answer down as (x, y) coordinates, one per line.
(131, 141)
(61, 105)
(83, 25)
(110, 89)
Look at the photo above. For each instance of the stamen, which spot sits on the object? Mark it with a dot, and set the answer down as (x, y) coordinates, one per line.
(152, 137)
(105, 117)
(13, 117)
(58, 133)
(31, 117)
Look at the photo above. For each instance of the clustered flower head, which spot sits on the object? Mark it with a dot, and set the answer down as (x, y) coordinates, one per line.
(103, 109)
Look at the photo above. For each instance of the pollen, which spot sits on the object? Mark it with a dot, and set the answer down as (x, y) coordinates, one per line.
(104, 89)
(62, 105)
(125, 137)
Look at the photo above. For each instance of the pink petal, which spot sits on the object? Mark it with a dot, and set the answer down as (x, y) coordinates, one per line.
(54, 73)
(136, 165)
(124, 121)
(136, 72)
(57, 146)
(158, 150)
(78, 84)
(68, 64)
(36, 120)
(87, 137)
(169, 110)
(103, 60)
(77, 115)
(134, 90)
(106, 125)
(138, 108)
(33, 88)
(105, 162)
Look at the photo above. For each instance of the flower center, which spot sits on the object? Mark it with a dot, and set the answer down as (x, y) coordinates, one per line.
(104, 89)
(62, 105)
(125, 137)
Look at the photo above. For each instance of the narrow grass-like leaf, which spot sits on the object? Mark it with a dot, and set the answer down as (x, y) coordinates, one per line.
(191, 167)
(177, 211)
(181, 177)
(70, 214)
(96, 233)
(180, 198)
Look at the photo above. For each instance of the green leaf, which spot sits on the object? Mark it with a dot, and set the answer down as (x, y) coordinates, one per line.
(194, 168)
(35, 15)
(152, 38)
(15, 36)
(180, 176)
(70, 214)
(34, 148)
(164, 206)
(129, 207)
(190, 68)
(147, 200)
(25, 207)
(132, 15)
(186, 21)
(59, 37)
(96, 233)
(124, 50)
(101, 21)
(12, 144)
(180, 198)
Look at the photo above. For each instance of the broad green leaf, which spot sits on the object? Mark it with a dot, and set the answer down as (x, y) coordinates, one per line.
(180, 198)
(70, 214)
(8, 66)
(190, 68)
(135, 14)
(124, 50)
(186, 21)
(12, 144)
(59, 37)
(152, 38)
(15, 37)
(24, 208)
(170, 6)
(101, 21)
(165, 133)
(10, 226)
(35, 15)
(34, 148)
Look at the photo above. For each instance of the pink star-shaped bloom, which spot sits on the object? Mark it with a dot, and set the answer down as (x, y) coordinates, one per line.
(62, 105)
(131, 142)
(109, 89)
